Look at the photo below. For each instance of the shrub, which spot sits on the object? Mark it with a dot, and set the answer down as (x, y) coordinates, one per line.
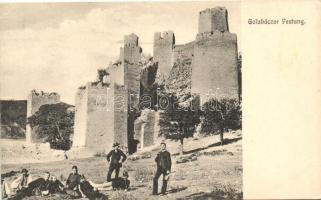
(54, 122)
(221, 114)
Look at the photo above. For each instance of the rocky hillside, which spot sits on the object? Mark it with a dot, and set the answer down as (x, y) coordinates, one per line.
(180, 78)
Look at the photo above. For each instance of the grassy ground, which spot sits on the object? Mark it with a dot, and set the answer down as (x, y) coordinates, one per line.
(215, 174)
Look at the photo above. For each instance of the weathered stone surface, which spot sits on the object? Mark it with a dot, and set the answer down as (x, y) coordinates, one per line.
(34, 102)
(163, 50)
(101, 117)
(213, 57)
(145, 127)
(213, 19)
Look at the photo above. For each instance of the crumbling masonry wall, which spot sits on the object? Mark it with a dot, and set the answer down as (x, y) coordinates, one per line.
(145, 127)
(80, 128)
(34, 101)
(213, 19)
(121, 115)
(183, 51)
(214, 70)
(131, 59)
(163, 51)
(99, 119)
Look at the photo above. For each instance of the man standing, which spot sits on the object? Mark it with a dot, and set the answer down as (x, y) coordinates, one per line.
(164, 164)
(115, 157)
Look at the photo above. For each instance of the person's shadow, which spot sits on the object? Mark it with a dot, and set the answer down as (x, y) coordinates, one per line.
(174, 190)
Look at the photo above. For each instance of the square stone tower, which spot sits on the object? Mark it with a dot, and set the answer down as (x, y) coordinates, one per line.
(214, 70)
(163, 51)
(100, 117)
(213, 19)
(34, 101)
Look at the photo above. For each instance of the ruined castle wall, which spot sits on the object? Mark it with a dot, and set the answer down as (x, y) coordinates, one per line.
(132, 53)
(163, 51)
(131, 59)
(145, 128)
(80, 128)
(132, 81)
(100, 118)
(215, 65)
(34, 102)
(116, 73)
(121, 115)
(37, 99)
(183, 51)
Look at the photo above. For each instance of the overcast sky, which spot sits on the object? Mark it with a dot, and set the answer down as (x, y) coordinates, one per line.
(58, 47)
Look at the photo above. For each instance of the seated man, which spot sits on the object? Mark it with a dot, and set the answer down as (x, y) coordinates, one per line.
(19, 184)
(87, 190)
(55, 185)
(72, 183)
(37, 187)
(41, 186)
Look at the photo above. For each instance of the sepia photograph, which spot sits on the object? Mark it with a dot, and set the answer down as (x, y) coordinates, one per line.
(121, 100)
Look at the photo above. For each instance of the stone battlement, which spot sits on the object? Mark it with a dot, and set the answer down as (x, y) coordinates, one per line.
(164, 37)
(212, 10)
(42, 94)
(180, 47)
(217, 36)
(212, 19)
(131, 40)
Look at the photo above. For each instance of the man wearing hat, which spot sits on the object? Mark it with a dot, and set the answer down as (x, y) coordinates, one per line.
(115, 157)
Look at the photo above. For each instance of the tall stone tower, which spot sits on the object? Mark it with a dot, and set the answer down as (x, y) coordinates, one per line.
(214, 71)
(34, 101)
(100, 117)
(102, 108)
(163, 51)
(130, 60)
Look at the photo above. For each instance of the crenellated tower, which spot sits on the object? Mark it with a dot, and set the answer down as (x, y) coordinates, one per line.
(163, 51)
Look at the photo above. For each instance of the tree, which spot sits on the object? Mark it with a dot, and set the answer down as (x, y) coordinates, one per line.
(54, 122)
(178, 122)
(219, 115)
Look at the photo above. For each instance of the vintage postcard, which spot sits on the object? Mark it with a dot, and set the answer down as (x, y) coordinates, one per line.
(159, 100)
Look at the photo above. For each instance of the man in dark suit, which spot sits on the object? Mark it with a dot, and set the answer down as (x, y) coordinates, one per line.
(115, 157)
(164, 164)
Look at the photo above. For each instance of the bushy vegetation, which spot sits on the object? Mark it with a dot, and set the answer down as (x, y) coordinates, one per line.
(178, 122)
(221, 115)
(13, 118)
(54, 123)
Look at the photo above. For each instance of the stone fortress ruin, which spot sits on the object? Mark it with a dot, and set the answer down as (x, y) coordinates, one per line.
(34, 101)
(213, 53)
(214, 60)
(108, 109)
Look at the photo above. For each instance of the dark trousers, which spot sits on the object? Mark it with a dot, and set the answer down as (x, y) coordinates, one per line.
(158, 173)
(113, 167)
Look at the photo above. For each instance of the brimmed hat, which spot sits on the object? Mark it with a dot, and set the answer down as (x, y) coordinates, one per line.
(115, 144)
(24, 170)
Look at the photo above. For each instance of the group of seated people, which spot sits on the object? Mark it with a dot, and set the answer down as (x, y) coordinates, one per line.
(76, 186)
